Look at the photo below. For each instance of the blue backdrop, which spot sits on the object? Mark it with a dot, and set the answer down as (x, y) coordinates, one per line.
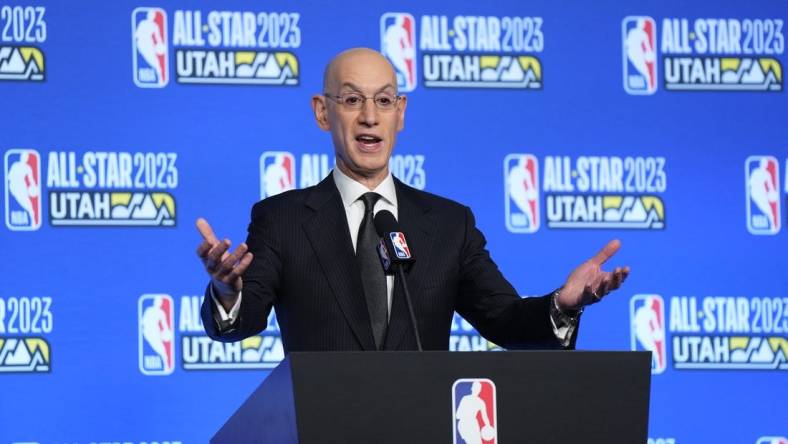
(562, 125)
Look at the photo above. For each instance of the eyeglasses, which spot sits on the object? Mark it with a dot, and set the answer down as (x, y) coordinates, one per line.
(355, 101)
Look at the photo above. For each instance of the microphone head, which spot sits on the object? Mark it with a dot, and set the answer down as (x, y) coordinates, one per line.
(392, 239)
(385, 223)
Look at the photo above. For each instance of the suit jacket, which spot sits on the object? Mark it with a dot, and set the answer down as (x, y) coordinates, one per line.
(305, 267)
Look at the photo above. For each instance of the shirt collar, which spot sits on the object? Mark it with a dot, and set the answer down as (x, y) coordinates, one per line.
(350, 190)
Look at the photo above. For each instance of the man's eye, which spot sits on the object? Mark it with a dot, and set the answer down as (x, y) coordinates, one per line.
(384, 101)
(352, 99)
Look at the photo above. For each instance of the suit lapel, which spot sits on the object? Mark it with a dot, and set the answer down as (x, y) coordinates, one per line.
(329, 236)
(419, 227)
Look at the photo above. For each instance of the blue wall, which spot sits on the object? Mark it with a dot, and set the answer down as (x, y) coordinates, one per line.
(658, 123)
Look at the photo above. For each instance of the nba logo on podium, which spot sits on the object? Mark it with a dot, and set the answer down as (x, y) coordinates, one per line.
(22, 190)
(149, 47)
(398, 44)
(639, 36)
(763, 196)
(156, 334)
(277, 173)
(521, 186)
(647, 316)
(474, 411)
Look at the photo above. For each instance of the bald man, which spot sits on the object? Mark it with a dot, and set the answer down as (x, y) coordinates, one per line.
(310, 253)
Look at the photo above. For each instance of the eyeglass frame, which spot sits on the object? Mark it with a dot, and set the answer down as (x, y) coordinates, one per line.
(338, 99)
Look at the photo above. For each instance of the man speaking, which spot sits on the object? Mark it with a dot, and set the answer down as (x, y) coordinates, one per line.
(311, 253)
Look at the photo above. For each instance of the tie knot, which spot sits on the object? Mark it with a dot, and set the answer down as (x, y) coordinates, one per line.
(369, 200)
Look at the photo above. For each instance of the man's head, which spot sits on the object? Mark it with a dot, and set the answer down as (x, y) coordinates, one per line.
(476, 388)
(364, 135)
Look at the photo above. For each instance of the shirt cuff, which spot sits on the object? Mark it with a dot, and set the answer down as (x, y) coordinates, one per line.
(564, 324)
(226, 317)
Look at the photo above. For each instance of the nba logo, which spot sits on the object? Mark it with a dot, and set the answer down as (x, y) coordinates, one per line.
(521, 185)
(156, 334)
(400, 245)
(474, 412)
(647, 316)
(762, 175)
(772, 440)
(384, 255)
(639, 35)
(277, 173)
(149, 47)
(398, 44)
(22, 190)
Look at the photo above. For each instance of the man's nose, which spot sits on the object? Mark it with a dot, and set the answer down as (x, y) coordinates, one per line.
(368, 115)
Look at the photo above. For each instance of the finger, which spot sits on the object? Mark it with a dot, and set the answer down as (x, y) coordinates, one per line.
(615, 279)
(206, 231)
(215, 253)
(620, 276)
(626, 274)
(231, 259)
(203, 248)
(239, 269)
(606, 252)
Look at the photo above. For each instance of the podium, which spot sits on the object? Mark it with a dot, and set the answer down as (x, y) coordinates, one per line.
(411, 397)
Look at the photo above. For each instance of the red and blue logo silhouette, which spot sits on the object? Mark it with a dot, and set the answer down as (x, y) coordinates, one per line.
(156, 334)
(647, 315)
(277, 173)
(401, 249)
(149, 43)
(22, 190)
(763, 196)
(474, 411)
(639, 36)
(521, 186)
(398, 44)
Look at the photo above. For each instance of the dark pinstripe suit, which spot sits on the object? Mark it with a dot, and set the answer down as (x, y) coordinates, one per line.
(304, 266)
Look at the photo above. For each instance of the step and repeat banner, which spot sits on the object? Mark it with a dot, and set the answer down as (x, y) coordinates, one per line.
(561, 124)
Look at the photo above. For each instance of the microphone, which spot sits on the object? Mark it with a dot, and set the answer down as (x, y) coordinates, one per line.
(396, 255)
(393, 248)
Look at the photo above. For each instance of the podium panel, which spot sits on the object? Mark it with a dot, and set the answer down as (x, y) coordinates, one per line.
(396, 397)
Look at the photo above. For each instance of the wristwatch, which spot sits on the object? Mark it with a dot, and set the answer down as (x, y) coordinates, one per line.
(566, 316)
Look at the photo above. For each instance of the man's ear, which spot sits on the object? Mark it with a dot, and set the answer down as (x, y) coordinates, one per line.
(321, 113)
(403, 103)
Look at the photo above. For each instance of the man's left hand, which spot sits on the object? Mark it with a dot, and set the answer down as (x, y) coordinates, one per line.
(588, 284)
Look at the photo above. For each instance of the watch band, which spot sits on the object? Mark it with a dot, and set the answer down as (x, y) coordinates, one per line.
(566, 316)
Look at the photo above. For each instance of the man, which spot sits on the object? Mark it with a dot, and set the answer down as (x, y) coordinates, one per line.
(310, 253)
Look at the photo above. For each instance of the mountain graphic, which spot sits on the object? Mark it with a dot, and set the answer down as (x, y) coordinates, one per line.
(19, 354)
(14, 67)
(11, 61)
(514, 73)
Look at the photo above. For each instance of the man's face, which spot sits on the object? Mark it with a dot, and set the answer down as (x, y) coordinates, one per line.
(363, 138)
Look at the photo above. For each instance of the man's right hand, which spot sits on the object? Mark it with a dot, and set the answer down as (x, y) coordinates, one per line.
(224, 268)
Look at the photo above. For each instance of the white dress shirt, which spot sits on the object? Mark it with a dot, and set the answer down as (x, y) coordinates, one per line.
(351, 192)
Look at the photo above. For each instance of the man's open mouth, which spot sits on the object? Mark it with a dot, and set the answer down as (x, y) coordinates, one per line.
(368, 141)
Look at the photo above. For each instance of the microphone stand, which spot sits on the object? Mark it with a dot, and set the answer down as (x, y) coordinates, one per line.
(413, 323)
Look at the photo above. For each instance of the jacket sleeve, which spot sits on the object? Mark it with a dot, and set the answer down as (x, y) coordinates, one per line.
(260, 284)
(490, 303)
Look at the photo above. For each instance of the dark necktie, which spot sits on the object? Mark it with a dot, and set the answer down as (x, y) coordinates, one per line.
(372, 277)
